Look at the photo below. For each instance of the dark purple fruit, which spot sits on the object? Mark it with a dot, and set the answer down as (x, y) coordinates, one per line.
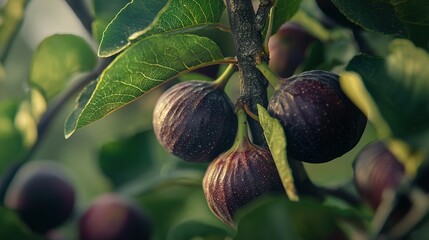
(195, 121)
(288, 48)
(43, 199)
(331, 11)
(375, 170)
(320, 122)
(238, 176)
(111, 217)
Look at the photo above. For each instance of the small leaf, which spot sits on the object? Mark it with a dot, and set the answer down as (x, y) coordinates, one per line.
(274, 134)
(400, 89)
(12, 228)
(11, 16)
(142, 67)
(283, 11)
(56, 59)
(125, 159)
(135, 16)
(196, 229)
(372, 15)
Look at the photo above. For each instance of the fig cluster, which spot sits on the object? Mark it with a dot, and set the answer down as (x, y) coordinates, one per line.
(320, 122)
(195, 121)
(112, 217)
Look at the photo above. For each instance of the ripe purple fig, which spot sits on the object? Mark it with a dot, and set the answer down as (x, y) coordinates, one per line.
(42, 197)
(288, 48)
(240, 175)
(112, 217)
(375, 170)
(195, 120)
(320, 122)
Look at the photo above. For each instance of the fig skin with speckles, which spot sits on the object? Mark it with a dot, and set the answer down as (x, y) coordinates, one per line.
(195, 121)
(320, 122)
(375, 170)
(237, 177)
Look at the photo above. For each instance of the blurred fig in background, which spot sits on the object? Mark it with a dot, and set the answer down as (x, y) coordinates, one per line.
(112, 217)
(376, 169)
(288, 48)
(42, 196)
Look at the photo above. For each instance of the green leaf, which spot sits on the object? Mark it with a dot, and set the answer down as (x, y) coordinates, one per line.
(412, 11)
(11, 16)
(56, 59)
(196, 229)
(177, 16)
(104, 12)
(12, 228)
(278, 218)
(274, 134)
(135, 16)
(126, 159)
(400, 89)
(283, 11)
(142, 67)
(373, 15)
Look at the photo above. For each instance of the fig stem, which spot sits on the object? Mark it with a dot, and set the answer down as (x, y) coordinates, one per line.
(271, 76)
(250, 113)
(222, 80)
(242, 133)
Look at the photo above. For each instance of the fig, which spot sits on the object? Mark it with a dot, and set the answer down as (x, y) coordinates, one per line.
(112, 217)
(239, 175)
(42, 197)
(288, 48)
(195, 120)
(375, 170)
(320, 122)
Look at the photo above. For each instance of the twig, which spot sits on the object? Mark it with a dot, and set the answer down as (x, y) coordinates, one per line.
(262, 13)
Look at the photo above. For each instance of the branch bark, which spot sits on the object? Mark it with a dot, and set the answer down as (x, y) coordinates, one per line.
(248, 43)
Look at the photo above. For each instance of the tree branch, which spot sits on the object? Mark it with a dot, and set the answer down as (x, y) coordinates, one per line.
(248, 43)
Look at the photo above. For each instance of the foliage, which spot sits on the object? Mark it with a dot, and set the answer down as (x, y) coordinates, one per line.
(144, 46)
